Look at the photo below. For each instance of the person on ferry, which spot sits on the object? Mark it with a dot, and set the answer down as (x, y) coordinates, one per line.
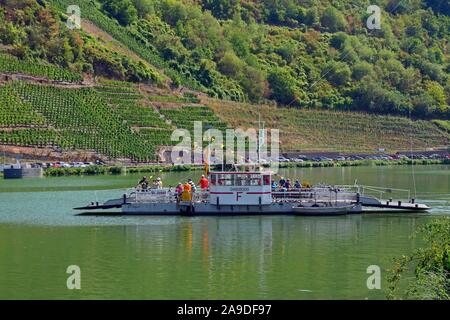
(178, 191)
(186, 194)
(143, 183)
(274, 185)
(287, 184)
(204, 183)
(297, 185)
(157, 184)
(281, 182)
(192, 184)
(187, 187)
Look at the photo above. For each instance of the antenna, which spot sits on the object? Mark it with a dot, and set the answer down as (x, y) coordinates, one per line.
(261, 136)
(412, 157)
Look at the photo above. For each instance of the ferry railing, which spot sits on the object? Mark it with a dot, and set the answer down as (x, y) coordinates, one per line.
(102, 196)
(200, 196)
(377, 192)
(165, 195)
(316, 195)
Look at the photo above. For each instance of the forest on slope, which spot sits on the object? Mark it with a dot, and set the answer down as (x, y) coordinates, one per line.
(303, 53)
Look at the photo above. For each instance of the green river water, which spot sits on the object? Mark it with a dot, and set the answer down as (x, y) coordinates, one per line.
(267, 257)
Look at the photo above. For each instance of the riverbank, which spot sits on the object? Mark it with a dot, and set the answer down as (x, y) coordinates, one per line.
(117, 170)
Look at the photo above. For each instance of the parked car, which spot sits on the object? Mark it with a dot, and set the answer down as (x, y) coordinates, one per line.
(283, 159)
(303, 157)
(65, 165)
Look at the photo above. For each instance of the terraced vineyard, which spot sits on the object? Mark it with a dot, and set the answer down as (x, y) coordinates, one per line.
(134, 110)
(10, 64)
(82, 120)
(21, 125)
(113, 119)
(14, 112)
(319, 130)
(185, 116)
(30, 137)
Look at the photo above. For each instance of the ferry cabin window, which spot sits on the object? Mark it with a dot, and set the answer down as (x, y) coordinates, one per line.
(255, 180)
(247, 180)
(213, 179)
(225, 179)
(238, 180)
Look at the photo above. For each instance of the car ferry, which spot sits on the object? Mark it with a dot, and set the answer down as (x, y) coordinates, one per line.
(249, 193)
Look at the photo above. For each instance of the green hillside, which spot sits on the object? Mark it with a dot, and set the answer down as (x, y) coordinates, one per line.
(138, 69)
(296, 52)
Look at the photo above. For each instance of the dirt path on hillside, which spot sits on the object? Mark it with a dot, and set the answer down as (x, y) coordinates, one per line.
(92, 29)
(47, 154)
(8, 77)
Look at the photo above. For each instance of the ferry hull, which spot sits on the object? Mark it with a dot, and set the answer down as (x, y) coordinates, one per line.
(199, 209)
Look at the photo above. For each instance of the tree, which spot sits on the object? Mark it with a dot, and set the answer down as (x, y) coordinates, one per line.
(222, 9)
(337, 41)
(230, 65)
(333, 20)
(143, 7)
(433, 71)
(423, 105)
(403, 6)
(361, 69)
(430, 266)
(372, 97)
(122, 10)
(253, 82)
(338, 73)
(436, 91)
(283, 86)
(439, 6)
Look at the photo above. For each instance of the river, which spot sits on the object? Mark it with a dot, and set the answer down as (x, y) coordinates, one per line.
(268, 257)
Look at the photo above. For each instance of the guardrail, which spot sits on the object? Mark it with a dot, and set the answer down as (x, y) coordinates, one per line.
(371, 190)
(165, 195)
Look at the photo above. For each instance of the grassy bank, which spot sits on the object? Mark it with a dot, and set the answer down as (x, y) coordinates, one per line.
(356, 163)
(97, 170)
